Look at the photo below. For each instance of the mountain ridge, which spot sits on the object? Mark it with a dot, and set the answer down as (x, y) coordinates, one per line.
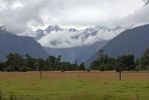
(133, 41)
(19, 44)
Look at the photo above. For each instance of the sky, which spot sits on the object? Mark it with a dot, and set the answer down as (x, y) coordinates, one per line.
(19, 16)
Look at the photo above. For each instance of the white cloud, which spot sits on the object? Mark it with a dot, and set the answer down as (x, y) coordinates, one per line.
(67, 39)
(23, 15)
(140, 17)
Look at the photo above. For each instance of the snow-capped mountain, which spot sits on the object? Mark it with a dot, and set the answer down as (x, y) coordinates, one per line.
(53, 28)
(75, 44)
(133, 41)
(55, 36)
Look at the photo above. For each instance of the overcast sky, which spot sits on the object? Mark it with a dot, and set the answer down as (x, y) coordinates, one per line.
(22, 15)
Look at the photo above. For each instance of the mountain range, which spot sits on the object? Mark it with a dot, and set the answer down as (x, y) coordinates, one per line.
(55, 36)
(133, 41)
(74, 44)
(76, 54)
(79, 45)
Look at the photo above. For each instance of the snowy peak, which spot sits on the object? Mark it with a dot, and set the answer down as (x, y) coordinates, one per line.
(72, 30)
(133, 41)
(89, 30)
(52, 28)
(55, 36)
(2, 29)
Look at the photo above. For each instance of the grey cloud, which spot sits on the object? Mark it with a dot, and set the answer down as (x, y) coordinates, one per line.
(80, 13)
(139, 17)
(17, 20)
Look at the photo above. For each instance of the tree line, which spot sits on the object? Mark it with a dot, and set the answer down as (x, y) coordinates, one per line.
(121, 63)
(17, 62)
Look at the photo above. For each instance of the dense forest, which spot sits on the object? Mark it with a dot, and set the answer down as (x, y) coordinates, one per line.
(121, 63)
(17, 62)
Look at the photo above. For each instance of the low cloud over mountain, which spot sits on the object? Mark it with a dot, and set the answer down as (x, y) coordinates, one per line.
(55, 36)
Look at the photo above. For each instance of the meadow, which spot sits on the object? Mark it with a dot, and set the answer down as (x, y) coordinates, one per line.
(74, 86)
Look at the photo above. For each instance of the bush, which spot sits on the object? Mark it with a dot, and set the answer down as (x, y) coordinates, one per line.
(88, 70)
(102, 67)
(9, 69)
(24, 69)
(62, 71)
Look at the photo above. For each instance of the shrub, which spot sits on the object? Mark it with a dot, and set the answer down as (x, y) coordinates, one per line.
(62, 71)
(24, 69)
(88, 70)
(102, 67)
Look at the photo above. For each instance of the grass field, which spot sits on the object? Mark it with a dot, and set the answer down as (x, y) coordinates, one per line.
(74, 86)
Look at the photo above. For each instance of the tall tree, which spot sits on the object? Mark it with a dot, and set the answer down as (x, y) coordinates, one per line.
(144, 60)
(82, 67)
(126, 62)
(58, 62)
(66, 66)
(2, 66)
(138, 65)
(52, 61)
(30, 62)
(14, 61)
(40, 63)
(102, 57)
(94, 65)
(106, 63)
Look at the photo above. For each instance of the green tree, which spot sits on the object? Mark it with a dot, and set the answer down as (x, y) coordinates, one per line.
(106, 63)
(102, 67)
(52, 63)
(2, 66)
(82, 67)
(14, 61)
(58, 63)
(75, 66)
(94, 65)
(144, 60)
(126, 62)
(66, 66)
(40, 63)
(30, 62)
(138, 65)
(102, 57)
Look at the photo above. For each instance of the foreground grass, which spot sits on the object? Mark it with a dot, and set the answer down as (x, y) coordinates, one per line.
(74, 86)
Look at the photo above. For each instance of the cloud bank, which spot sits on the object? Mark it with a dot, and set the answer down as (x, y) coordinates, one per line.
(139, 17)
(23, 15)
(64, 38)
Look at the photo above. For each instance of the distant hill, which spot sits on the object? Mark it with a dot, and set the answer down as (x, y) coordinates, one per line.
(55, 36)
(78, 54)
(132, 41)
(19, 44)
